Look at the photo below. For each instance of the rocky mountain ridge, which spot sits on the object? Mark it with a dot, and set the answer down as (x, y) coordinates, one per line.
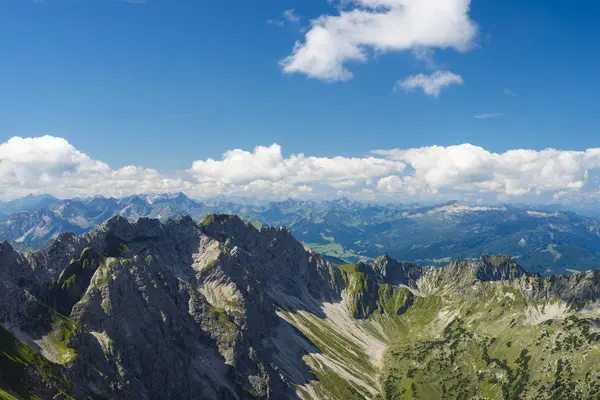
(221, 309)
(546, 241)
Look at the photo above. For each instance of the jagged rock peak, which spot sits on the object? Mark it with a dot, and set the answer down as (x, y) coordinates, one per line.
(185, 220)
(13, 265)
(486, 268)
(281, 228)
(383, 259)
(396, 272)
(220, 219)
(231, 228)
(5, 247)
(116, 223)
(499, 267)
(123, 229)
(7, 254)
(65, 237)
(221, 226)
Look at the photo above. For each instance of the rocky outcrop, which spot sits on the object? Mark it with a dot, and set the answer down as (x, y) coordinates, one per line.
(395, 272)
(13, 266)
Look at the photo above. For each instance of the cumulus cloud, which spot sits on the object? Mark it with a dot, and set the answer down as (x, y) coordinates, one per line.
(432, 84)
(471, 168)
(52, 165)
(39, 160)
(268, 163)
(381, 26)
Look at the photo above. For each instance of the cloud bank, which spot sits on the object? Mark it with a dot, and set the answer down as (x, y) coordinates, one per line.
(49, 164)
(470, 168)
(52, 165)
(268, 163)
(364, 27)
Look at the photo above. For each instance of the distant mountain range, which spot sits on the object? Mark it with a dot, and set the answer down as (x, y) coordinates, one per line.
(543, 239)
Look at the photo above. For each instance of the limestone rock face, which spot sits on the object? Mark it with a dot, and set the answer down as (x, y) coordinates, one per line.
(170, 310)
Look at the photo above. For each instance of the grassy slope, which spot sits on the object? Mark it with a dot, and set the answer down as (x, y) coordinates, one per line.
(484, 341)
(484, 345)
(21, 366)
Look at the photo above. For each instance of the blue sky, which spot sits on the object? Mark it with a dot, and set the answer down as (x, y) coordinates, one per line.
(160, 84)
(175, 81)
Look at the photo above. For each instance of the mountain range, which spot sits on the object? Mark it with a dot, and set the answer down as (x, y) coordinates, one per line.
(223, 310)
(543, 239)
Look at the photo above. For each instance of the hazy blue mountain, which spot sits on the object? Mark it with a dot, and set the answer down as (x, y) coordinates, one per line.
(544, 239)
(28, 203)
(34, 229)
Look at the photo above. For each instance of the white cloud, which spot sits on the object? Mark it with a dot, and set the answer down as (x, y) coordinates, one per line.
(41, 160)
(382, 26)
(487, 115)
(431, 84)
(268, 163)
(49, 164)
(426, 55)
(291, 16)
(287, 16)
(360, 195)
(52, 165)
(471, 168)
(345, 184)
(509, 92)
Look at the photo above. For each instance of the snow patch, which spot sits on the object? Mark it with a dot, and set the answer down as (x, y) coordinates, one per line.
(462, 209)
(538, 214)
